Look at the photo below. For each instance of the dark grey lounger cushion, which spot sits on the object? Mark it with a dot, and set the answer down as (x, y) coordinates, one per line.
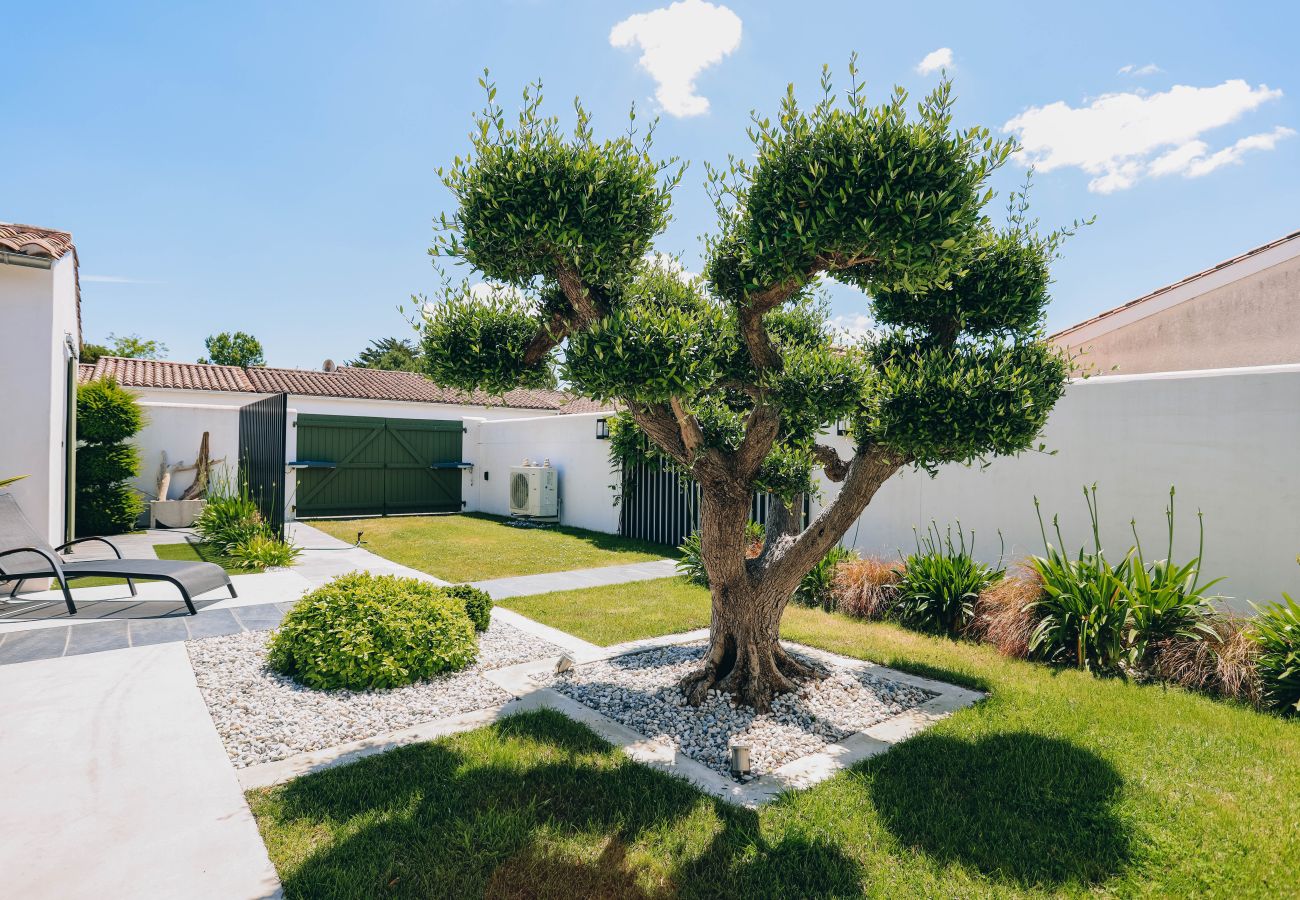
(196, 577)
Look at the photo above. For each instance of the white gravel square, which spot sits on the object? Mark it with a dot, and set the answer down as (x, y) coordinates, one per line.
(640, 690)
(263, 717)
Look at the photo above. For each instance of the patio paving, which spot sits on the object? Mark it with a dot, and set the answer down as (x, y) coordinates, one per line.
(115, 784)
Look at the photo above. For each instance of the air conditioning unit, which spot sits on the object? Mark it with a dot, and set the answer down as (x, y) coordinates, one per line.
(534, 491)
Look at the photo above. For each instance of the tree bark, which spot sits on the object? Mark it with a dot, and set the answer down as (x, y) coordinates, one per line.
(745, 658)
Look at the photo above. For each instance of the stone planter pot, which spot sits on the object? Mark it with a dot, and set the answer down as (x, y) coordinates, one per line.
(174, 513)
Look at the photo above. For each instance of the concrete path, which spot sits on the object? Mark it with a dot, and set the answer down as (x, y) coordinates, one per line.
(523, 585)
(325, 557)
(115, 784)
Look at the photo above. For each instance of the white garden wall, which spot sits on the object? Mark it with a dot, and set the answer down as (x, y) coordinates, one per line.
(1228, 439)
(570, 442)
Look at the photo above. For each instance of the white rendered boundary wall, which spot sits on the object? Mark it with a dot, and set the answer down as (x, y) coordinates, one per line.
(1227, 439)
(587, 482)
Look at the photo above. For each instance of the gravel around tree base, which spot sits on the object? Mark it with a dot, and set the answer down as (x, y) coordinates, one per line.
(640, 691)
(263, 716)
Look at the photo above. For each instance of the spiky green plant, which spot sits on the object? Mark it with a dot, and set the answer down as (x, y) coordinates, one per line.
(941, 582)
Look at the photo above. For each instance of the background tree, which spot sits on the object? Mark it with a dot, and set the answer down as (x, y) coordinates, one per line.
(393, 354)
(130, 346)
(233, 348)
(734, 377)
(107, 418)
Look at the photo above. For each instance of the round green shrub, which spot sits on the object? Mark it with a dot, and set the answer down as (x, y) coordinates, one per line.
(478, 605)
(365, 631)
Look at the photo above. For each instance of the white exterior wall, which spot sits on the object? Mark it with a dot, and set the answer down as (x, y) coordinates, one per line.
(177, 419)
(586, 482)
(1227, 439)
(177, 428)
(38, 311)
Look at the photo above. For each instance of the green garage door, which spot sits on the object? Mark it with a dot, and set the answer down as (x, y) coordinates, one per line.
(363, 466)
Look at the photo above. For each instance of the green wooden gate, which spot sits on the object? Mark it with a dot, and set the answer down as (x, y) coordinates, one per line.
(365, 466)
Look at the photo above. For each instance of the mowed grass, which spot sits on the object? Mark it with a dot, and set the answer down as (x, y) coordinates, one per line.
(621, 612)
(1059, 784)
(186, 551)
(476, 547)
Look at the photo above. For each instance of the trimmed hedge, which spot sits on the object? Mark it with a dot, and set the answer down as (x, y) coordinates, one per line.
(362, 631)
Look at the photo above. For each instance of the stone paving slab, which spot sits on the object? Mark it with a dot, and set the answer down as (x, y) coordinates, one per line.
(549, 582)
(115, 784)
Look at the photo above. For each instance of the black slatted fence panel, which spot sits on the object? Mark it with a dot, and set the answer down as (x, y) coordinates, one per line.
(262, 436)
(664, 507)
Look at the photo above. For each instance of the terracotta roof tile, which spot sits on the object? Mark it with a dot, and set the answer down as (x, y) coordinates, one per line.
(43, 243)
(153, 373)
(345, 381)
(32, 241)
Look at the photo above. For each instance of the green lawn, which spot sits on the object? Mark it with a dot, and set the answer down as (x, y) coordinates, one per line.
(476, 547)
(1058, 784)
(186, 551)
(622, 612)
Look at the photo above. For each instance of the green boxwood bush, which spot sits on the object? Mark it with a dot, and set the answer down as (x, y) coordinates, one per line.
(478, 605)
(364, 631)
(107, 417)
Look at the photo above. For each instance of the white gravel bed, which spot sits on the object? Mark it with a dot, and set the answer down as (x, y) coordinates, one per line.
(640, 691)
(262, 716)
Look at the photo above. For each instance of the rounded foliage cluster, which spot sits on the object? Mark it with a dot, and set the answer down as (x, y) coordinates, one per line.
(478, 604)
(483, 342)
(362, 632)
(664, 339)
(106, 412)
(940, 404)
(1276, 629)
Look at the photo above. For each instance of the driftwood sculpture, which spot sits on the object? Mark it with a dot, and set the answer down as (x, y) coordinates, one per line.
(202, 469)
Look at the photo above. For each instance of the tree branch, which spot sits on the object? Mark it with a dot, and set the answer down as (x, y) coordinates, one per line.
(835, 468)
(689, 426)
(867, 471)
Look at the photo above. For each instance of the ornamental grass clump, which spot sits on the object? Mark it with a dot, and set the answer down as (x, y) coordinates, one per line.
(1006, 611)
(941, 582)
(1224, 663)
(817, 588)
(365, 632)
(867, 588)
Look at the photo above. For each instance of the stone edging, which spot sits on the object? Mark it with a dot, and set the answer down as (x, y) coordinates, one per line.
(518, 681)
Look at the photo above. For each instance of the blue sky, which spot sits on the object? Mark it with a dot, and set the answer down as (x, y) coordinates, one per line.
(270, 166)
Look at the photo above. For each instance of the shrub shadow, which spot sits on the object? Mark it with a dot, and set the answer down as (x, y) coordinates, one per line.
(433, 820)
(1017, 806)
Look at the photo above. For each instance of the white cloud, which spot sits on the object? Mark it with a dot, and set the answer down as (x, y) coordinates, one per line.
(851, 329)
(115, 279)
(1132, 69)
(935, 60)
(678, 42)
(1122, 138)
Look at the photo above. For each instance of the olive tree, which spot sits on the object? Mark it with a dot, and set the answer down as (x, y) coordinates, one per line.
(734, 376)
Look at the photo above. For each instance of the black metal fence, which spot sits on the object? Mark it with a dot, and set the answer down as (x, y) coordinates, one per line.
(262, 440)
(663, 506)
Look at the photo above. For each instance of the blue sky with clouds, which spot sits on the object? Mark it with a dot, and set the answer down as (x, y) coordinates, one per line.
(270, 166)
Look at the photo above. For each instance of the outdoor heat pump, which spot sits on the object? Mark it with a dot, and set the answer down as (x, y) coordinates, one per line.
(534, 491)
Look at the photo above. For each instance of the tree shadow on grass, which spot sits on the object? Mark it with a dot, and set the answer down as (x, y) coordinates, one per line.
(1020, 807)
(535, 806)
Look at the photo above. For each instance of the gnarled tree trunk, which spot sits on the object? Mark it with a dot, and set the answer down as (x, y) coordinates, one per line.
(745, 658)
